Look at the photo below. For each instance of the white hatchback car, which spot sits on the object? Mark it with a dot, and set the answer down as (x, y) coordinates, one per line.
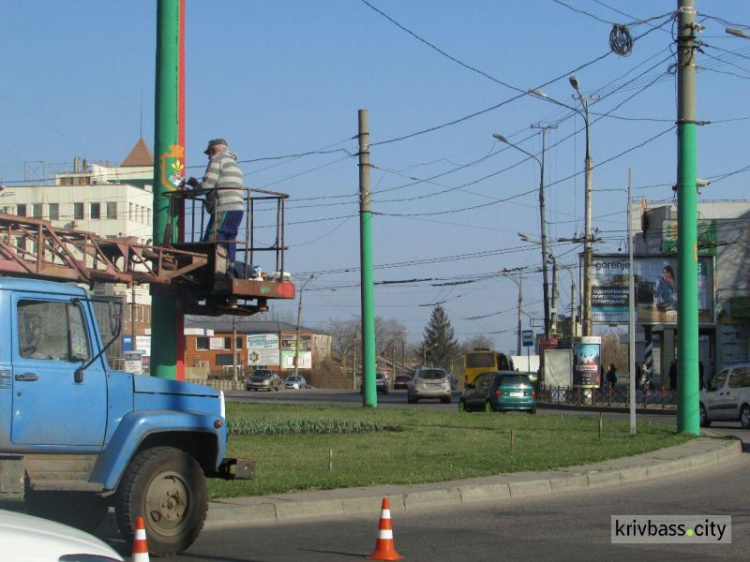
(24, 538)
(727, 396)
(295, 382)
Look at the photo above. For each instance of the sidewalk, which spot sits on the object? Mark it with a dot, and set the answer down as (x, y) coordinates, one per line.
(699, 453)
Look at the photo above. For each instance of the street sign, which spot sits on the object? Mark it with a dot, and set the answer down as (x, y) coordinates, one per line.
(527, 336)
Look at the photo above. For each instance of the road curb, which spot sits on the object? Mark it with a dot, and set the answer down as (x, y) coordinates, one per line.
(696, 454)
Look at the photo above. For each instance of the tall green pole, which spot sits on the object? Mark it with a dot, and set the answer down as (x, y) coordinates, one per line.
(369, 394)
(688, 416)
(168, 172)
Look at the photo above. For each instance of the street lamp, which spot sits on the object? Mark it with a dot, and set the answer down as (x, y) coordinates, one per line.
(425, 350)
(299, 317)
(545, 284)
(587, 243)
(588, 240)
(737, 32)
(519, 283)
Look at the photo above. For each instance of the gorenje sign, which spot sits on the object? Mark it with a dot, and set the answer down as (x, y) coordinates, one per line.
(656, 282)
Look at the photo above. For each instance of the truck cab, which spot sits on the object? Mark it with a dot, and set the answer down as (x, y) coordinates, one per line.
(77, 437)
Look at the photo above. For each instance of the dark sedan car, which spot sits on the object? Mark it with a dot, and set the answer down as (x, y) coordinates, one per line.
(499, 391)
(401, 382)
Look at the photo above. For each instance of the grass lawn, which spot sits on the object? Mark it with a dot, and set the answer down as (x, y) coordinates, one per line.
(412, 446)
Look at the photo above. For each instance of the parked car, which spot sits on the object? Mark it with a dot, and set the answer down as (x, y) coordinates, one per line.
(295, 382)
(499, 391)
(263, 379)
(29, 539)
(727, 396)
(429, 382)
(401, 382)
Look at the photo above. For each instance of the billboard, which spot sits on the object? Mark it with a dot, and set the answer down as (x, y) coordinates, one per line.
(263, 350)
(656, 282)
(289, 352)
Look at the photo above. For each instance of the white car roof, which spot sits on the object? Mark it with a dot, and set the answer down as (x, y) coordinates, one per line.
(29, 539)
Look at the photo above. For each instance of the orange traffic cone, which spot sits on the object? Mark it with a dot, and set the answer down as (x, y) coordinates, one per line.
(384, 548)
(140, 546)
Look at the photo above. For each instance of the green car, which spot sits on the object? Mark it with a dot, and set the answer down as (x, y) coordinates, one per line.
(499, 391)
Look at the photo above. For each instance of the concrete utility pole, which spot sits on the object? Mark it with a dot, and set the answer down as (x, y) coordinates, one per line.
(519, 328)
(688, 418)
(543, 219)
(299, 319)
(542, 214)
(588, 250)
(553, 311)
(631, 308)
(369, 395)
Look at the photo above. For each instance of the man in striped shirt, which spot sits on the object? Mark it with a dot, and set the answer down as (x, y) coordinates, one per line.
(225, 200)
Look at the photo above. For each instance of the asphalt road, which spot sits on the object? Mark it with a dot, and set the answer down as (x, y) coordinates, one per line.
(569, 526)
(572, 526)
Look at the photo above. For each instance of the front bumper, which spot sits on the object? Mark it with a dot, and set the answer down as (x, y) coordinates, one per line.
(237, 469)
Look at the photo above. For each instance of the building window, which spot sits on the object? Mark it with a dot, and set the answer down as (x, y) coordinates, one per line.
(21, 210)
(201, 343)
(37, 209)
(54, 211)
(78, 211)
(96, 211)
(112, 210)
(228, 343)
(131, 214)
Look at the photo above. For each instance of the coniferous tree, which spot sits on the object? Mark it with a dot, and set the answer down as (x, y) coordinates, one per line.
(439, 346)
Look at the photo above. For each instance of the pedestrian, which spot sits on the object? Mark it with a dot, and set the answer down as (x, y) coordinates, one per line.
(700, 375)
(612, 375)
(645, 377)
(673, 375)
(224, 199)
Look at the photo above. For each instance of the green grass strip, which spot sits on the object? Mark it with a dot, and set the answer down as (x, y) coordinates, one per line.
(291, 445)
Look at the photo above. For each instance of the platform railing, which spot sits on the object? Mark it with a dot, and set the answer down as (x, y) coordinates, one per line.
(264, 212)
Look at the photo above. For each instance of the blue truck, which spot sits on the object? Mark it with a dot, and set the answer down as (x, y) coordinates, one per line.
(78, 437)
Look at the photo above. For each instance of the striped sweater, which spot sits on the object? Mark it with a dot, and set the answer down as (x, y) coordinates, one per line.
(224, 172)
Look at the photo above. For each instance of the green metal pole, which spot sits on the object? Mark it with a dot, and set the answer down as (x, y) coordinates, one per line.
(168, 172)
(688, 415)
(369, 394)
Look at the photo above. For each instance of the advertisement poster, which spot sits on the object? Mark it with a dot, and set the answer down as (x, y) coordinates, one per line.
(289, 352)
(133, 362)
(656, 283)
(263, 350)
(587, 362)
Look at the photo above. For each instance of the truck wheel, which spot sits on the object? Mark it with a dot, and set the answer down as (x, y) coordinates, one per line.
(165, 486)
(82, 511)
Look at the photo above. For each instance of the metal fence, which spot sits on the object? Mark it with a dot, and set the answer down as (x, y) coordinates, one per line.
(220, 384)
(617, 397)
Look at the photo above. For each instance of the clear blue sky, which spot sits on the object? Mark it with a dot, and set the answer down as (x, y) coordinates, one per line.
(284, 77)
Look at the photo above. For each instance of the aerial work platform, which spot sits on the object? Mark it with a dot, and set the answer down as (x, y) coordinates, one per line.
(197, 273)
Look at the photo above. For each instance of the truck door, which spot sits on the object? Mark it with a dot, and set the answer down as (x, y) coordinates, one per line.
(51, 339)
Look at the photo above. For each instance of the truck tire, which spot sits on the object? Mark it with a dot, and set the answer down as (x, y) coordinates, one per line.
(79, 510)
(165, 486)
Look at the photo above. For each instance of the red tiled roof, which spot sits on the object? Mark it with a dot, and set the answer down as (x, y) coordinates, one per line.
(141, 155)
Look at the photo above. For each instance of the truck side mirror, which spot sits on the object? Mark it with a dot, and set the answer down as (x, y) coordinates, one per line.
(78, 377)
